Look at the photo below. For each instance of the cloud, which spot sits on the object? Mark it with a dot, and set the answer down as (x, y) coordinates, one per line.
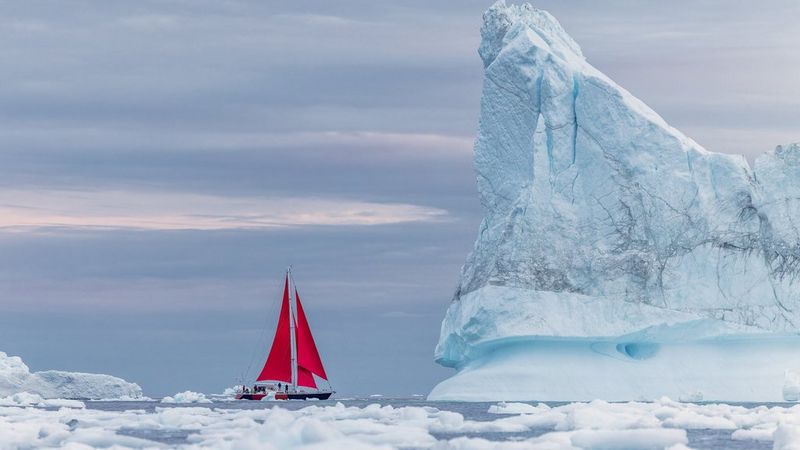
(400, 315)
(150, 22)
(378, 167)
(113, 138)
(31, 210)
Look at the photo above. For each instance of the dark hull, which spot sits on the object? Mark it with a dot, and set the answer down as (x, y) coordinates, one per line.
(250, 396)
(317, 395)
(286, 396)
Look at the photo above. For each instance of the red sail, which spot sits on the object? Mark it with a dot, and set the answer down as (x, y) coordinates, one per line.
(279, 362)
(305, 378)
(307, 354)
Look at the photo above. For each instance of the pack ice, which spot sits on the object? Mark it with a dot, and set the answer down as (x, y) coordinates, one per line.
(617, 259)
(15, 377)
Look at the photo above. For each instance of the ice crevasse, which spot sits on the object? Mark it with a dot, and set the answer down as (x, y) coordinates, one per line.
(617, 258)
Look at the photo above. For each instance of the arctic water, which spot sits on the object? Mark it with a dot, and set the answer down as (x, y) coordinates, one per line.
(703, 423)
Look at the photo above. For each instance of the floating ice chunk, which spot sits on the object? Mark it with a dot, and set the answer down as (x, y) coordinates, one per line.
(125, 398)
(599, 414)
(791, 386)
(21, 399)
(186, 397)
(467, 443)
(228, 393)
(61, 403)
(641, 439)
(678, 447)
(231, 391)
(786, 437)
(517, 408)
(753, 434)
(693, 420)
(28, 399)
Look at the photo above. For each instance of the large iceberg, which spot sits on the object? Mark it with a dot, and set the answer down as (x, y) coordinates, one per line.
(16, 377)
(618, 258)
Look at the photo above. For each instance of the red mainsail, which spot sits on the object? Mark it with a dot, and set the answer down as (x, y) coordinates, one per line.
(279, 362)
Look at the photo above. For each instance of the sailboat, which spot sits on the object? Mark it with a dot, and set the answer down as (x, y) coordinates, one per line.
(293, 368)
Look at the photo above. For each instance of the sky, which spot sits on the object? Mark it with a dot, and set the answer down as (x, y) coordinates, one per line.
(162, 162)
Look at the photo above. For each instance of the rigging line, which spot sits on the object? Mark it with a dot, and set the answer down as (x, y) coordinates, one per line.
(262, 340)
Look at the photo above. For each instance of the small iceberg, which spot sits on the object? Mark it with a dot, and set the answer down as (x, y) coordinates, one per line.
(187, 397)
(16, 377)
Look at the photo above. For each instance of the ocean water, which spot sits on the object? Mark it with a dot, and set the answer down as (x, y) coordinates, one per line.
(706, 425)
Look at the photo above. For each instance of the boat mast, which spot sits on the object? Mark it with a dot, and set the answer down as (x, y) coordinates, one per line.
(292, 328)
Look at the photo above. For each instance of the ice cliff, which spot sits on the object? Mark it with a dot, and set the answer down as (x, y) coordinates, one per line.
(15, 377)
(612, 244)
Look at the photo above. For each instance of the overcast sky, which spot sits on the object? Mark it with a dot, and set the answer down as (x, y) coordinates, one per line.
(162, 162)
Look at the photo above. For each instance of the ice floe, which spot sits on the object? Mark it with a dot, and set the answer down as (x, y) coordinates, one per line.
(594, 425)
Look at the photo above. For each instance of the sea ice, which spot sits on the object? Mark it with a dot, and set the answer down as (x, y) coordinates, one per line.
(617, 258)
(596, 425)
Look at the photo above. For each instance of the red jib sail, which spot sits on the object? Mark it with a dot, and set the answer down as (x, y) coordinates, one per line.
(279, 362)
(308, 359)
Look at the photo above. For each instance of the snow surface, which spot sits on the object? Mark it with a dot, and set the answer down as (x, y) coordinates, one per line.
(16, 378)
(595, 425)
(604, 223)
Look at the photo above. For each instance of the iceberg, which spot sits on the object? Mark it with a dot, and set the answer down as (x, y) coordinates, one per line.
(16, 378)
(617, 258)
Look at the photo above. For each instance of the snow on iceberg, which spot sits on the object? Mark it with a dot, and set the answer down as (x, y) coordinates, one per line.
(617, 258)
(16, 377)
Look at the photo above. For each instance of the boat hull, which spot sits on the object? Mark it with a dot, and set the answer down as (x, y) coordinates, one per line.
(286, 396)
